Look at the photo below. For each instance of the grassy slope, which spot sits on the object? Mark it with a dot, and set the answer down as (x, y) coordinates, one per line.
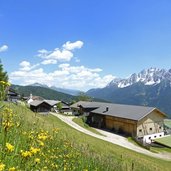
(167, 122)
(95, 146)
(165, 140)
(80, 122)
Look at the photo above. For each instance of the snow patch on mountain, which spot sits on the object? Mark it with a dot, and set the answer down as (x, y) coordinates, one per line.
(151, 76)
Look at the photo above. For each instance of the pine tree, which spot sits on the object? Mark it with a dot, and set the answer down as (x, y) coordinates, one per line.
(3, 82)
(3, 74)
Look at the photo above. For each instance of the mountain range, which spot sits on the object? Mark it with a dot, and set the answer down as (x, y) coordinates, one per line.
(150, 87)
(62, 90)
(50, 93)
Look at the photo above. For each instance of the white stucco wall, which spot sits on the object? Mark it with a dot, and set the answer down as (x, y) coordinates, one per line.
(149, 138)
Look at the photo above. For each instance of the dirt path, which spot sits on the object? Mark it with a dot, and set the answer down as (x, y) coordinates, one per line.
(113, 138)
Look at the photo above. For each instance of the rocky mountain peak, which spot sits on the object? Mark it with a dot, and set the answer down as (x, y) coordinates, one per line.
(151, 76)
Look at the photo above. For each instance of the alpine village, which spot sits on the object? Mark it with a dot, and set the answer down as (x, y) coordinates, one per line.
(85, 85)
(80, 132)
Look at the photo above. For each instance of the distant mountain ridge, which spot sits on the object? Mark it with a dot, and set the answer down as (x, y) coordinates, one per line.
(150, 87)
(48, 93)
(151, 76)
(44, 92)
(62, 90)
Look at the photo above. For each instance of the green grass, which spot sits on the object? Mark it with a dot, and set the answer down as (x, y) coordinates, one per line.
(167, 122)
(164, 141)
(160, 149)
(130, 139)
(152, 149)
(81, 123)
(95, 153)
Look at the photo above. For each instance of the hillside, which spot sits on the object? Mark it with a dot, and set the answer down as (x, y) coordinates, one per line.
(49, 93)
(43, 92)
(87, 150)
(62, 90)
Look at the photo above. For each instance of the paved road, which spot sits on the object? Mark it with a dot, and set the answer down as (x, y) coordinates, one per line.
(111, 137)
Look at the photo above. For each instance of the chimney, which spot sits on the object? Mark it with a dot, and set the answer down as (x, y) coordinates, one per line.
(107, 108)
(31, 96)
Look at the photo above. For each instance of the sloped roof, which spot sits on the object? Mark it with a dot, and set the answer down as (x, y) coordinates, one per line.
(131, 112)
(36, 102)
(86, 104)
(49, 102)
(52, 102)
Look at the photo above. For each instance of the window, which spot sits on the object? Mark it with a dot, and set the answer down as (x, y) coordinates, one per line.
(159, 127)
(155, 136)
(149, 138)
(140, 130)
(160, 135)
(151, 129)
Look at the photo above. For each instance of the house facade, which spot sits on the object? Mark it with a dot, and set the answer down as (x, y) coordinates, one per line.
(146, 123)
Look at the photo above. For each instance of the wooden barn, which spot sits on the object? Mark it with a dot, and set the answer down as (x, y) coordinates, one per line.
(42, 105)
(138, 121)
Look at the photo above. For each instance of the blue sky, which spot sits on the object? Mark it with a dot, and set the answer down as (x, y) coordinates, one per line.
(85, 43)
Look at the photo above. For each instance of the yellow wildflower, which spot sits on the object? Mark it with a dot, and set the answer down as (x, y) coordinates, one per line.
(37, 160)
(42, 136)
(34, 150)
(26, 154)
(9, 147)
(41, 143)
(2, 166)
(7, 124)
(12, 169)
(56, 130)
(2, 82)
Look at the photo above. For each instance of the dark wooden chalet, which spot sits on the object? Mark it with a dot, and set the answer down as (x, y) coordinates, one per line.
(42, 105)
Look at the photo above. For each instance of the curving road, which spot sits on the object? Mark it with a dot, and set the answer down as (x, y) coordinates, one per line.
(113, 138)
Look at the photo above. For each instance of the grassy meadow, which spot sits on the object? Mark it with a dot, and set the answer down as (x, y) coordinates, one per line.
(165, 140)
(30, 141)
(81, 123)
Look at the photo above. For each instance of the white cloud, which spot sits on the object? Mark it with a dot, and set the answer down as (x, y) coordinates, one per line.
(26, 66)
(64, 54)
(49, 61)
(43, 53)
(71, 46)
(3, 48)
(59, 55)
(67, 76)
